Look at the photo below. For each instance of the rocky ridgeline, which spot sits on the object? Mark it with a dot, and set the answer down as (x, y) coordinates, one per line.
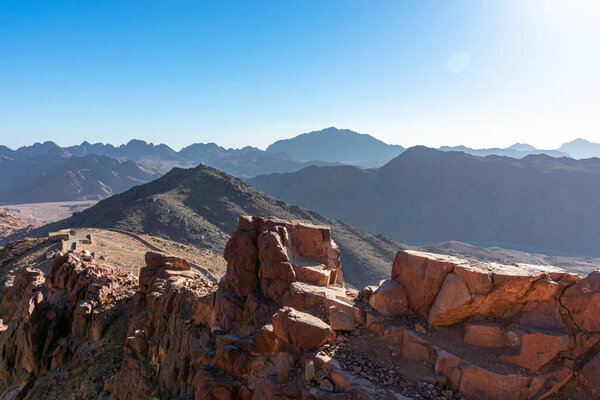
(50, 323)
(281, 325)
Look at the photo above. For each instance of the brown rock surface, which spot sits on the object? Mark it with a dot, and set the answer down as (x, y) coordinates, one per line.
(299, 329)
(590, 373)
(14, 224)
(270, 254)
(453, 303)
(582, 300)
(536, 348)
(341, 319)
(484, 335)
(478, 383)
(422, 274)
(155, 259)
(86, 297)
(390, 299)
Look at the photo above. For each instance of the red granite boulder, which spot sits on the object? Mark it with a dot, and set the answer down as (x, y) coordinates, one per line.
(300, 329)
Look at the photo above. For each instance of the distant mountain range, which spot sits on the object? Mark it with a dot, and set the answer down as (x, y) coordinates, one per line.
(47, 172)
(427, 196)
(201, 206)
(245, 162)
(517, 150)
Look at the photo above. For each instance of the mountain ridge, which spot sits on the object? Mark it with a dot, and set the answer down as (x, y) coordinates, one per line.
(201, 206)
(427, 195)
(341, 145)
(60, 169)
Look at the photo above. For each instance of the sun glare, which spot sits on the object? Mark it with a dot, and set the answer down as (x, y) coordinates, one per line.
(578, 15)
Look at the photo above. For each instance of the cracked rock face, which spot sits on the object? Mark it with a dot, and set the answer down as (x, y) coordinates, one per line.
(300, 329)
(582, 301)
(541, 319)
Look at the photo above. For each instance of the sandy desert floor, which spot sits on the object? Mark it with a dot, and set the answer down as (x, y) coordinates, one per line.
(51, 212)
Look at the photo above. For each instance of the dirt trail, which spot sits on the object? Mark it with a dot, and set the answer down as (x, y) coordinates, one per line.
(128, 253)
(204, 271)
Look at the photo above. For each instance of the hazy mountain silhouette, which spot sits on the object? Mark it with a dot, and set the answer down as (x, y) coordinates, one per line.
(242, 163)
(132, 150)
(426, 195)
(201, 206)
(245, 162)
(338, 145)
(581, 148)
(60, 177)
(517, 150)
(46, 171)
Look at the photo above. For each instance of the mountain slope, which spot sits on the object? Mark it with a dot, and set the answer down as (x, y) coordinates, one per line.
(201, 206)
(14, 224)
(338, 145)
(427, 196)
(55, 175)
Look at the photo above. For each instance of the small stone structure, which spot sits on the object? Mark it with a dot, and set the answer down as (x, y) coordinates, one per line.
(63, 234)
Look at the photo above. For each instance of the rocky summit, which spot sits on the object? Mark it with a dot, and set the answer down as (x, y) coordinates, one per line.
(282, 324)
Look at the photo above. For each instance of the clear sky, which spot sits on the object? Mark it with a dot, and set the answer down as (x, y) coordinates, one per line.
(479, 73)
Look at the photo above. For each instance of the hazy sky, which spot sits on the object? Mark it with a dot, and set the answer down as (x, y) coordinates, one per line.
(479, 73)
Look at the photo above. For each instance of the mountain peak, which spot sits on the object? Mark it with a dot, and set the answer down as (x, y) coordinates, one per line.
(522, 147)
(138, 142)
(209, 202)
(337, 145)
(578, 141)
(581, 148)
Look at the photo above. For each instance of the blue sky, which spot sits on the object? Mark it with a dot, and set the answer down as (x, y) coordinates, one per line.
(479, 73)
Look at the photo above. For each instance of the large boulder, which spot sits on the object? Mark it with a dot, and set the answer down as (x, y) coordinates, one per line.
(390, 299)
(448, 290)
(422, 274)
(341, 319)
(454, 302)
(582, 300)
(300, 329)
(314, 242)
(276, 271)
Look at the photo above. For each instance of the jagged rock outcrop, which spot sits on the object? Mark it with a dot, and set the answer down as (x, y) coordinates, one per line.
(537, 321)
(167, 334)
(273, 263)
(282, 325)
(52, 322)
